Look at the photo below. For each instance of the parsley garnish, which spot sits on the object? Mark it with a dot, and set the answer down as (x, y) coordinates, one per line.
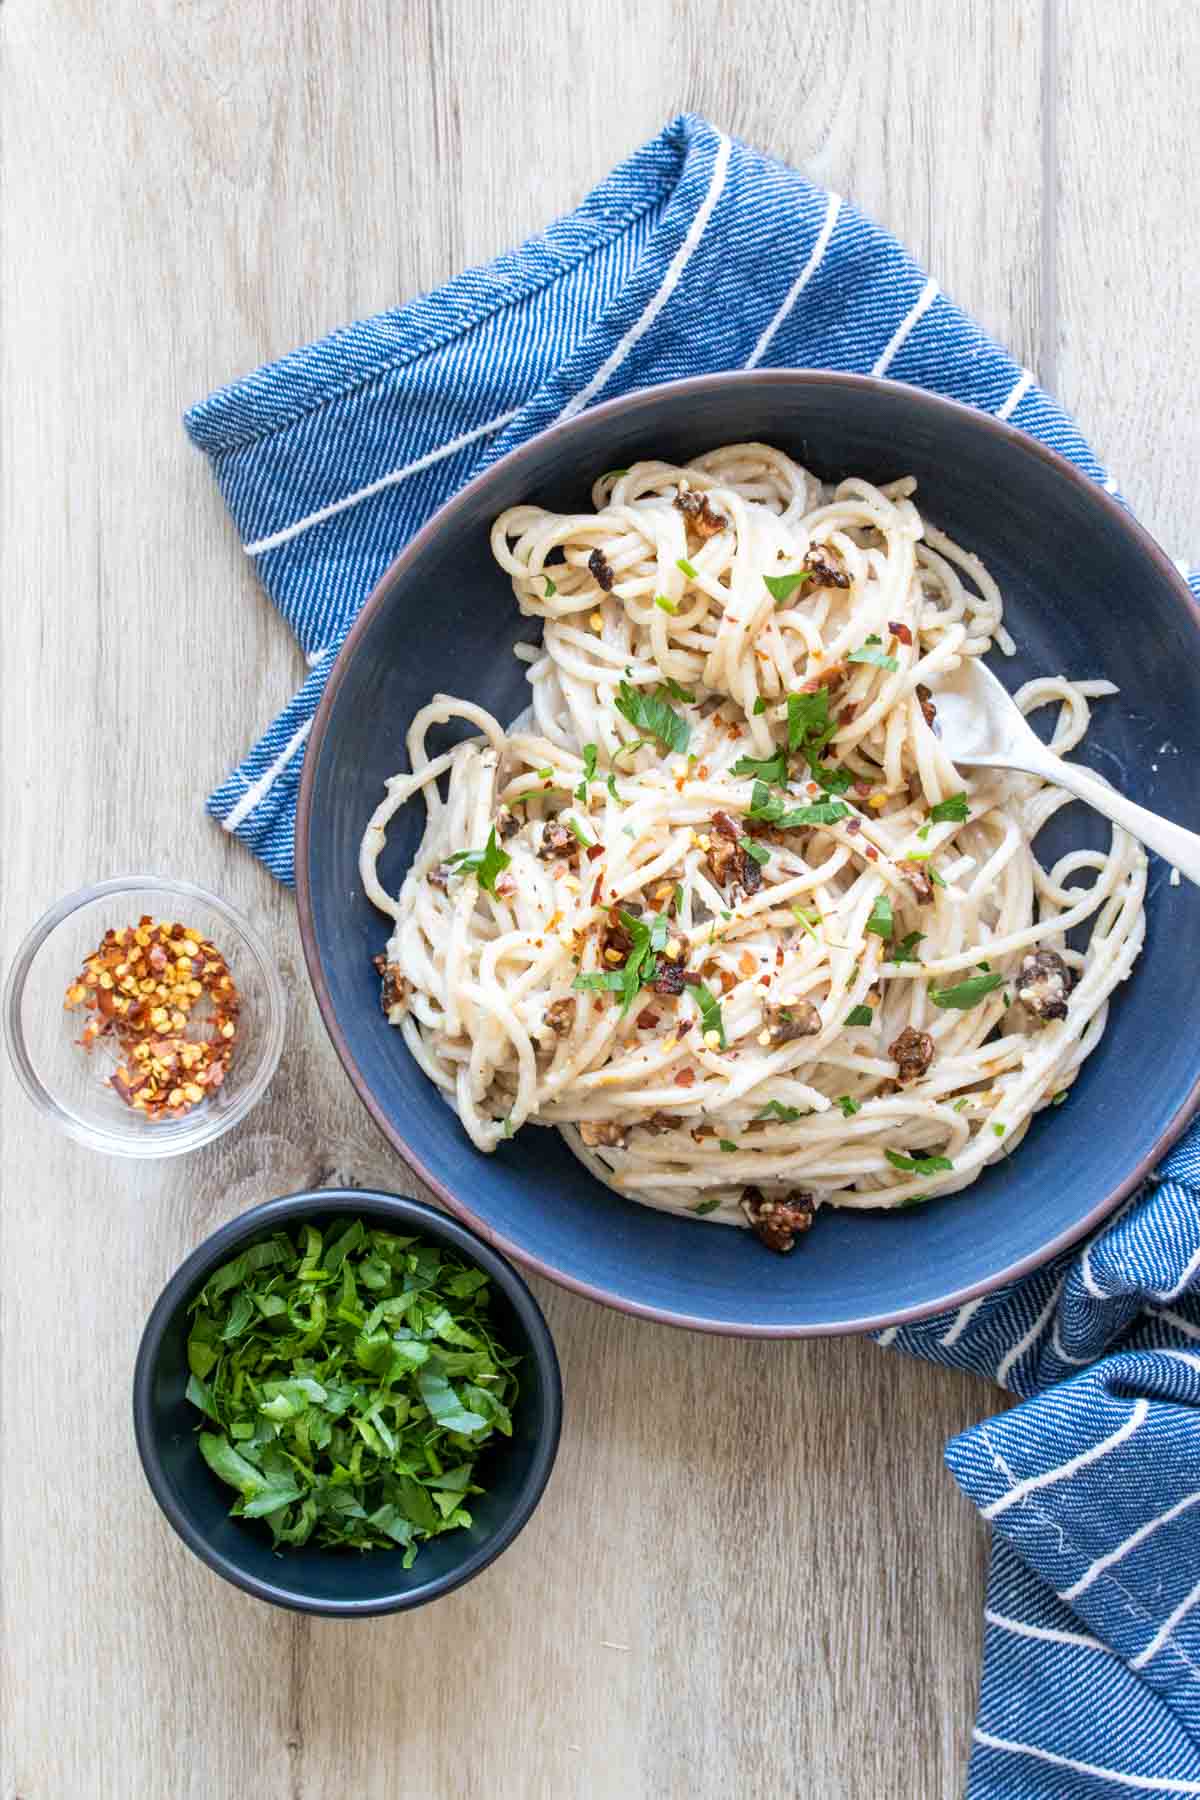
(968, 993)
(726, 1144)
(650, 714)
(682, 694)
(859, 1015)
(786, 1114)
(611, 785)
(906, 949)
(589, 772)
(781, 587)
(686, 568)
(485, 864)
(918, 1165)
(710, 1011)
(773, 769)
(349, 1379)
(632, 745)
(999, 1130)
(849, 1107)
(544, 774)
(649, 936)
(808, 718)
(577, 830)
(755, 850)
(551, 590)
(949, 812)
(760, 706)
(705, 1206)
(959, 1105)
(769, 808)
(613, 474)
(665, 605)
(923, 833)
(880, 921)
(1059, 1097)
(878, 658)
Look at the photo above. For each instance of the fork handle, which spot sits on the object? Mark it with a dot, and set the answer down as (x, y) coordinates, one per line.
(1181, 848)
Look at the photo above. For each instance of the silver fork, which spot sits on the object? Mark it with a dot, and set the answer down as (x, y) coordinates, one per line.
(979, 724)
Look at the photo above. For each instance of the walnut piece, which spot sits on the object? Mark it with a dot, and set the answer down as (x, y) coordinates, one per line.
(777, 1221)
(823, 572)
(602, 1132)
(919, 880)
(601, 571)
(558, 841)
(912, 1051)
(395, 990)
(1043, 984)
(698, 511)
(798, 1019)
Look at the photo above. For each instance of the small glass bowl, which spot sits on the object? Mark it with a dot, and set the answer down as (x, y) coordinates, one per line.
(68, 1084)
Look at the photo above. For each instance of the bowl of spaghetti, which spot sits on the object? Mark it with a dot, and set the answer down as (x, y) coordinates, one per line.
(652, 920)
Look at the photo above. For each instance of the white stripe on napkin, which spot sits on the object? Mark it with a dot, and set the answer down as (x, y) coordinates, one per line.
(1065, 1470)
(801, 282)
(925, 300)
(1165, 1629)
(662, 294)
(1046, 1634)
(376, 487)
(1096, 1569)
(266, 780)
(1017, 393)
(1146, 1784)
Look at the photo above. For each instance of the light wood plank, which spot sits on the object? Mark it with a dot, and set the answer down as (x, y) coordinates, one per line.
(1126, 221)
(768, 1529)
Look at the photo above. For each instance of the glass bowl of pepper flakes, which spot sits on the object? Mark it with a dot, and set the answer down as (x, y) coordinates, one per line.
(145, 1017)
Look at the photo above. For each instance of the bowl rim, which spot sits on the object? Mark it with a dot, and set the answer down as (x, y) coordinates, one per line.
(937, 405)
(208, 1127)
(400, 1210)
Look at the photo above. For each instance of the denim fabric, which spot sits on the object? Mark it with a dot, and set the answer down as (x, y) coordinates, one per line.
(696, 255)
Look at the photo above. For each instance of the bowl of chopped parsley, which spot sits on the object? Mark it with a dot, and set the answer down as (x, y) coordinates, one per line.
(347, 1403)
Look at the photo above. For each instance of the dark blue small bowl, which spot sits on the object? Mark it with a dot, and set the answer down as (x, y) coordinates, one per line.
(1087, 592)
(344, 1584)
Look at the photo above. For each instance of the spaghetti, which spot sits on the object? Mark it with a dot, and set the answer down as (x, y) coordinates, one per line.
(718, 905)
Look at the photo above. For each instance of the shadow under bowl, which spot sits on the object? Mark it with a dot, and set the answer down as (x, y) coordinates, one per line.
(343, 1583)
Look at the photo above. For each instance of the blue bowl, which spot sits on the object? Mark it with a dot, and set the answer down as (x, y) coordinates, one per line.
(1086, 591)
(339, 1583)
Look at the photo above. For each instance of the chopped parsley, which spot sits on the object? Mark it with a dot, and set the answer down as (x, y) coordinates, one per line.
(949, 812)
(809, 920)
(589, 772)
(485, 864)
(849, 1107)
(705, 1206)
(787, 1115)
(878, 658)
(349, 1379)
(726, 1144)
(544, 774)
(710, 1011)
(665, 605)
(755, 850)
(682, 694)
(880, 921)
(686, 568)
(650, 714)
(782, 587)
(859, 1015)
(551, 590)
(772, 769)
(1059, 1097)
(630, 747)
(611, 785)
(923, 833)
(960, 1105)
(967, 993)
(999, 1130)
(760, 706)
(577, 831)
(918, 1165)
(808, 718)
(906, 949)
(770, 809)
(613, 474)
(649, 937)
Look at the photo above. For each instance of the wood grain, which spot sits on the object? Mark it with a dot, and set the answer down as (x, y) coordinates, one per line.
(751, 1574)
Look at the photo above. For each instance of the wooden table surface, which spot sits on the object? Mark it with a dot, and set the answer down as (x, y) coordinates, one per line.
(751, 1575)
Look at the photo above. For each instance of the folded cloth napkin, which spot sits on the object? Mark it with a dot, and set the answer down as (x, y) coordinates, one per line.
(696, 255)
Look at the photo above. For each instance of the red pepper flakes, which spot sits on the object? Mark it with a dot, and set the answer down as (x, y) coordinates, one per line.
(141, 987)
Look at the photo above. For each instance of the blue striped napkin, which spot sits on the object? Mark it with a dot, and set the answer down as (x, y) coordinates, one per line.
(699, 254)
